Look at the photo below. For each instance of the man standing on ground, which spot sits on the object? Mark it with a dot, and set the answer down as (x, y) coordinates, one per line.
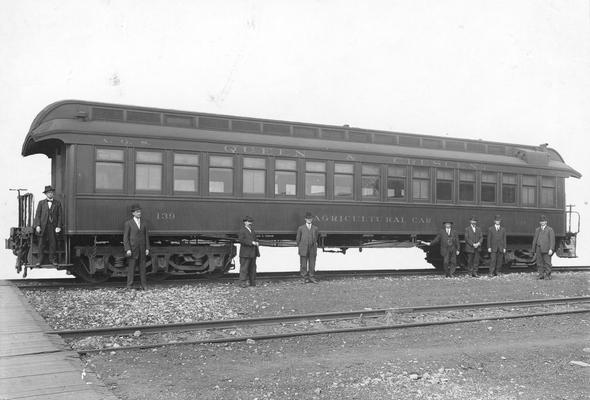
(543, 245)
(473, 241)
(248, 253)
(496, 246)
(48, 223)
(449, 247)
(136, 241)
(307, 239)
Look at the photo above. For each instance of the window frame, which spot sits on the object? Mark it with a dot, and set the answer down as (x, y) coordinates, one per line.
(377, 175)
(198, 167)
(217, 167)
(421, 180)
(399, 178)
(449, 182)
(484, 182)
(307, 172)
(350, 175)
(256, 169)
(291, 171)
(514, 186)
(137, 163)
(534, 191)
(122, 163)
(553, 189)
(464, 181)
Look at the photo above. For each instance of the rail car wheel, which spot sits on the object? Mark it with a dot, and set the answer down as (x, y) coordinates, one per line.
(81, 270)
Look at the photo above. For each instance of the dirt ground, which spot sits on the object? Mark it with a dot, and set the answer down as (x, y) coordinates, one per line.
(538, 358)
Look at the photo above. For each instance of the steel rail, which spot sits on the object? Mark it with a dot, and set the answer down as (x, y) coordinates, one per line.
(234, 323)
(231, 339)
(72, 283)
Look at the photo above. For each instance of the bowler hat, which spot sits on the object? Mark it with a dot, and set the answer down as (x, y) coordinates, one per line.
(248, 218)
(447, 221)
(473, 218)
(135, 207)
(49, 188)
(543, 218)
(308, 215)
(497, 218)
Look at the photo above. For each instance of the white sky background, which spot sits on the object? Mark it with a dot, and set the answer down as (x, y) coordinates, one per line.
(511, 71)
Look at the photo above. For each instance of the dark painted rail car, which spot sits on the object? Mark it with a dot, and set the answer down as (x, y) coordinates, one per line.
(197, 174)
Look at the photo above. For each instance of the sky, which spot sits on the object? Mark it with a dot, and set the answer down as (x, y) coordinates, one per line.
(515, 71)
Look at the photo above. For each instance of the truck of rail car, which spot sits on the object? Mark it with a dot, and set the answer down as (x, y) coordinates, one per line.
(197, 174)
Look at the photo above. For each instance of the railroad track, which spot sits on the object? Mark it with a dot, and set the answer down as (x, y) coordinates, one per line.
(262, 328)
(72, 283)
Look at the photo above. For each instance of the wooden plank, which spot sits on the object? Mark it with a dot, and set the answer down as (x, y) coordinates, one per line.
(35, 364)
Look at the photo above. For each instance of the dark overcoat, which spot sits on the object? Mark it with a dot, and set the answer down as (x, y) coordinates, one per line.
(44, 214)
(307, 240)
(136, 239)
(247, 249)
(496, 238)
(545, 239)
(448, 242)
(472, 238)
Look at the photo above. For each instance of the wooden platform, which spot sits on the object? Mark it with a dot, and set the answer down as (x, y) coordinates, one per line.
(37, 365)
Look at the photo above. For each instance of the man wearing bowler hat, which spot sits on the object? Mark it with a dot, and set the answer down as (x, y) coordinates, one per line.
(473, 242)
(449, 247)
(496, 246)
(136, 241)
(48, 223)
(248, 253)
(543, 245)
(308, 236)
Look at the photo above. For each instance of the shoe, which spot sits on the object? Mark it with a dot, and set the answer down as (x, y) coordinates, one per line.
(129, 287)
(252, 284)
(313, 280)
(541, 277)
(306, 280)
(54, 263)
(38, 264)
(243, 285)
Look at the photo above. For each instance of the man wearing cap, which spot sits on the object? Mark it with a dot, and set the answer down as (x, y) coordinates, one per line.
(136, 241)
(496, 246)
(449, 247)
(248, 253)
(473, 241)
(307, 239)
(543, 245)
(48, 223)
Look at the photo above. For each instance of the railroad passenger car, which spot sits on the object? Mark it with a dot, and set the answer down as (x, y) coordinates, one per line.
(197, 174)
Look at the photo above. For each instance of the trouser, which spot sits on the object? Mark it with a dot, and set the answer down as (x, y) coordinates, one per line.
(248, 270)
(473, 262)
(496, 260)
(543, 263)
(450, 262)
(307, 265)
(47, 238)
(131, 261)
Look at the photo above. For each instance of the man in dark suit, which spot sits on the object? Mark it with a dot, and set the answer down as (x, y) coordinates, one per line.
(543, 245)
(48, 223)
(449, 247)
(248, 253)
(307, 239)
(496, 246)
(473, 241)
(136, 241)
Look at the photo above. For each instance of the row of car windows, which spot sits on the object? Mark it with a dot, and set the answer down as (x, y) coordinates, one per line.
(375, 181)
